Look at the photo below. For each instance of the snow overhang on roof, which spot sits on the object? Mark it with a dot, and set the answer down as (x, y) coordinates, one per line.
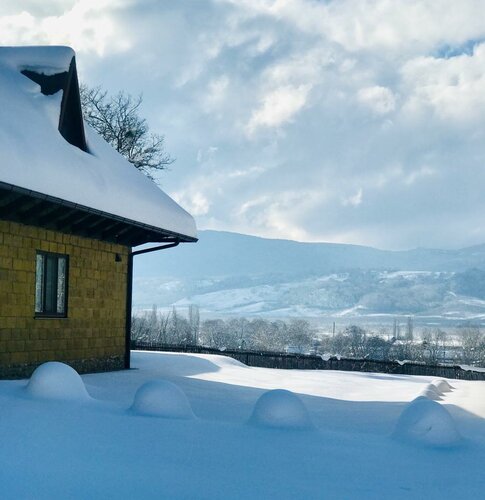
(36, 161)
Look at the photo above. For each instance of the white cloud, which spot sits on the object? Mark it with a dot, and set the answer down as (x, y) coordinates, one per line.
(253, 172)
(354, 120)
(86, 25)
(194, 201)
(400, 26)
(216, 94)
(379, 99)
(278, 107)
(278, 215)
(257, 203)
(420, 173)
(354, 200)
(205, 156)
(451, 88)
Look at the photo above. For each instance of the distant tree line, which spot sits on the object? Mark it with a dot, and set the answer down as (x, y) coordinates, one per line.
(357, 342)
(240, 333)
(434, 345)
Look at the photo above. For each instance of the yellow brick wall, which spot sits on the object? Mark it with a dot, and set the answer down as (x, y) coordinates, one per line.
(95, 325)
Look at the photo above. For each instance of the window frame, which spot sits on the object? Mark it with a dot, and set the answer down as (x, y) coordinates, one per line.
(44, 314)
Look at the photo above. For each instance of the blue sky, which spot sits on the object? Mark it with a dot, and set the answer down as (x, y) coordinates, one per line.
(356, 121)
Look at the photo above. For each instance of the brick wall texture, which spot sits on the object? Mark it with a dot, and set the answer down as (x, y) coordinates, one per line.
(92, 337)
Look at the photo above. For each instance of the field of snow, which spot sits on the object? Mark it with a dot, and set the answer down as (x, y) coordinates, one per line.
(200, 426)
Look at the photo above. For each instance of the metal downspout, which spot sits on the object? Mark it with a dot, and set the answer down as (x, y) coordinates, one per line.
(129, 294)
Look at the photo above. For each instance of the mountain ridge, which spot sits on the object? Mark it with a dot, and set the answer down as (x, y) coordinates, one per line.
(220, 253)
(233, 274)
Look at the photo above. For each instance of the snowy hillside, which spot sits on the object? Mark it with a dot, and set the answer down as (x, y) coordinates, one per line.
(196, 426)
(232, 274)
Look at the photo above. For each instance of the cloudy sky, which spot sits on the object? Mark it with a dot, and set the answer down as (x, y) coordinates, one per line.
(356, 121)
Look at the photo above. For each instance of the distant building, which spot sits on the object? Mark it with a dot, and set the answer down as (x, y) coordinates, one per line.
(71, 209)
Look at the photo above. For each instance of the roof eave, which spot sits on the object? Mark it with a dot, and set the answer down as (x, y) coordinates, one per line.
(153, 233)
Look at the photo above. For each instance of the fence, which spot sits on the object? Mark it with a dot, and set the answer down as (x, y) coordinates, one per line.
(309, 362)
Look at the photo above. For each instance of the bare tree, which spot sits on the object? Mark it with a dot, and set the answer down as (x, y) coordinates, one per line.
(179, 331)
(377, 348)
(116, 118)
(214, 333)
(162, 328)
(433, 344)
(141, 328)
(299, 334)
(472, 340)
(358, 339)
(239, 327)
(409, 328)
(194, 322)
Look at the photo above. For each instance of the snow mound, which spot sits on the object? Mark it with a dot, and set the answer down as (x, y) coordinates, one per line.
(161, 398)
(427, 422)
(282, 409)
(225, 361)
(442, 385)
(431, 392)
(54, 380)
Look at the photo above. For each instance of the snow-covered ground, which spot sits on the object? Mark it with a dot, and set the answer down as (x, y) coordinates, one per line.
(343, 436)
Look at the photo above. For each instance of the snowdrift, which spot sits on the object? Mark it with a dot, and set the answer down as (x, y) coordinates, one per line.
(427, 422)
(161, 398)
(54, 380)
(442, 385)
(431, 392)
(282, 409)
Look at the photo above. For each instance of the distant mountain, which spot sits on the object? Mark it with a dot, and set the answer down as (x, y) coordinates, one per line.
(221, 254)
(230, 273)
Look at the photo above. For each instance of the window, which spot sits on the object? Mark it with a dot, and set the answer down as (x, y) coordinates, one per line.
(51, 285)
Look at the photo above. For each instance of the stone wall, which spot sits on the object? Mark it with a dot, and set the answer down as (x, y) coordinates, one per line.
(92, 336)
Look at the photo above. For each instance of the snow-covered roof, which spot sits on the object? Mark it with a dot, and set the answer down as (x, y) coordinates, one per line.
(35, 156)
